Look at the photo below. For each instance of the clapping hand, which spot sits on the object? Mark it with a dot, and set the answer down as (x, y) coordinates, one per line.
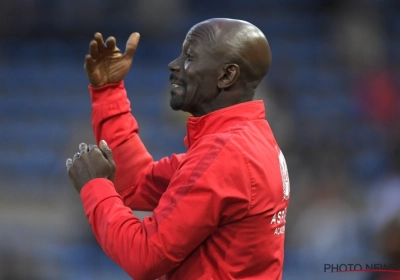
(105, 64)
(89, 163)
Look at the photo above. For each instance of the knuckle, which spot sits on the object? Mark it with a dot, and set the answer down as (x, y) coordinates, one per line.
(92, 147)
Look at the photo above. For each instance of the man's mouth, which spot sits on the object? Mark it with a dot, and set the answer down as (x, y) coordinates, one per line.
(175, 81)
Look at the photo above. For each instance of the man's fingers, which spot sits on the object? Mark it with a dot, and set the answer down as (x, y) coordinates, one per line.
(68, 163)
(76, 155)
(100, 42)
(91, 147)
(93, 50)
(131, 45)
(106, 152)
(83, 148)
(111, 43)
(89, 62)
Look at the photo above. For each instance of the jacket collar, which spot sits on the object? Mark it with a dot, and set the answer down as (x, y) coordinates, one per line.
(221, 120)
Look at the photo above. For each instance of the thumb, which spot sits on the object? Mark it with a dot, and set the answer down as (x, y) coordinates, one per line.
(131, 45)
(107, 152)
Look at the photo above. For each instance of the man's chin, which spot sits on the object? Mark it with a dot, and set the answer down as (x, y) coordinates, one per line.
(174, 107)
(176, 102)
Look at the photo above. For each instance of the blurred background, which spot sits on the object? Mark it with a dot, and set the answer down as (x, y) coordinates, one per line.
(332, 96)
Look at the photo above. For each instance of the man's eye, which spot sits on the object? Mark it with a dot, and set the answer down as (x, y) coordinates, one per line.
(189, 56)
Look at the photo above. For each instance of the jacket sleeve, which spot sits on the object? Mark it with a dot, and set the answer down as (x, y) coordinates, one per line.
(209, 189)
(139, 181)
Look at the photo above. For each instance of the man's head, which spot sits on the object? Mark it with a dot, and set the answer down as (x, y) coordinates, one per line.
(221, 64)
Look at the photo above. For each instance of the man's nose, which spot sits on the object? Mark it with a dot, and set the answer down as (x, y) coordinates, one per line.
(174, 66)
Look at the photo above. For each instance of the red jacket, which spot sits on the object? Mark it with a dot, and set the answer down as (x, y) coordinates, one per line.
(218, 211)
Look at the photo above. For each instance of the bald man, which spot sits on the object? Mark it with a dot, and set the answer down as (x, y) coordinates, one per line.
(219, 209)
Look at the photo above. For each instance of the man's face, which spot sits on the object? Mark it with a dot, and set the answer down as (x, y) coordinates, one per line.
(194, 74)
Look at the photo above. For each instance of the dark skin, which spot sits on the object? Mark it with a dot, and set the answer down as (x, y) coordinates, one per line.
(221, 64)
(89, 163)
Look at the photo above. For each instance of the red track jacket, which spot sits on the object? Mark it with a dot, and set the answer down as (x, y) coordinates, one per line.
(218, 211)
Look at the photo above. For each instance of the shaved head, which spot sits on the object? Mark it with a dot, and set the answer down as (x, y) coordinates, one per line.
(239, 42)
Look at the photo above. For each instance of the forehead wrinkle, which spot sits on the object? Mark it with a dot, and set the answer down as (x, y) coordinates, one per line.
(203, 32)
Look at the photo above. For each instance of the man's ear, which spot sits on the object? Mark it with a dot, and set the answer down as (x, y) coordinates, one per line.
(229, 75)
